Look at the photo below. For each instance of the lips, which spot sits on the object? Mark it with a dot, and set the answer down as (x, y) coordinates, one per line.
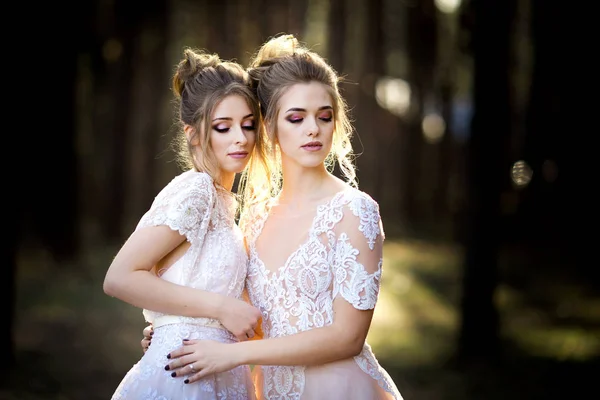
(238, 154)
(313, 146)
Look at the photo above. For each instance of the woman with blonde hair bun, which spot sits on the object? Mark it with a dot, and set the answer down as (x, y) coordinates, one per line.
(315, 247)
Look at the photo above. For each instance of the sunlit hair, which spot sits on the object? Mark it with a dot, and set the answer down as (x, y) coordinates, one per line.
(201, 80)
(283, 62)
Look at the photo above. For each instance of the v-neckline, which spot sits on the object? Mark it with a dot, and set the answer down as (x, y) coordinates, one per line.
(277, 271)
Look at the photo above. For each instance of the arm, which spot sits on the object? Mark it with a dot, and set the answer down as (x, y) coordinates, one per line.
(179, 214)
(129, 277)
(357, 271)
(342, 339)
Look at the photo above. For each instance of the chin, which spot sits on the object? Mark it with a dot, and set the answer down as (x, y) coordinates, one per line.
(236, 169)
(313, 160)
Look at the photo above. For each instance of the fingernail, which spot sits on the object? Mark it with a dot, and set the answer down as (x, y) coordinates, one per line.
(167, 367)
(186, 340)
(149, 343)
(151, 333)
(174, 374)
(169, 356)
(186, 381)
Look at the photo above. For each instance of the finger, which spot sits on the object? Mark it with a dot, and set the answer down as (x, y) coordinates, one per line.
(250, 334)
(145, 344)
(180, 351)
(242, 337)
(255, 335)
(198, 375)
(180, 367)
(148, 331)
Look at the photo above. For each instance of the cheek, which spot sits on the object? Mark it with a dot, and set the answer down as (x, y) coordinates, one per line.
(251, 138)
(284, 133)
(217, 142)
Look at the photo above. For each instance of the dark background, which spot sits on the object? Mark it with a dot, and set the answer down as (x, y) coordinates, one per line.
(475, 127)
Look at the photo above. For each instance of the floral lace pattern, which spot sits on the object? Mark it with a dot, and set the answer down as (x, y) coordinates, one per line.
(299, 295)
(216, 260)
(148, 380)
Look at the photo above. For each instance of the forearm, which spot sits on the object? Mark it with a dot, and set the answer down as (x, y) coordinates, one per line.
(313, 347)
(145, 290)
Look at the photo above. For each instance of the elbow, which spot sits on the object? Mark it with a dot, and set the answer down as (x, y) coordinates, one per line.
(353, 344)
(111, 286)
(355, 347)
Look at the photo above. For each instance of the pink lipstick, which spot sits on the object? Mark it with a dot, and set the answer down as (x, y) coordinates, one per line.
(238, 154)
(313, 146)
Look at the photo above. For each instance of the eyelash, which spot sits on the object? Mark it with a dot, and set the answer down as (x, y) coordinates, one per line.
(298, 120)
(250, 128)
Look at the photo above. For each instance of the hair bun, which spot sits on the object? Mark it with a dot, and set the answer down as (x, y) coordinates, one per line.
(193, 62)
(277, 47)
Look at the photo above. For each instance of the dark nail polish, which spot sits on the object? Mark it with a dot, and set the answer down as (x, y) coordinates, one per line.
(186, 340)
(151, 333)
(174, 374)
(169, 356)
(167, 367)
(186, 381)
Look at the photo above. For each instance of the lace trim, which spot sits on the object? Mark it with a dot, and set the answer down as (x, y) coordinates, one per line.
(368, 363)
(368, 212)
(352, 280)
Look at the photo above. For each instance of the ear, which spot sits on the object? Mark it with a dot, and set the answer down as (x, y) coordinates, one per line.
(190, 135)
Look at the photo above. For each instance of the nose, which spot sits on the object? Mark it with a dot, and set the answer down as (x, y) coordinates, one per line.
(312, 127)
(240, 137)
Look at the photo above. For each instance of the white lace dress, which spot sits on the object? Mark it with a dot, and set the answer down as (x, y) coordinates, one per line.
(341, 257)
(216, 261)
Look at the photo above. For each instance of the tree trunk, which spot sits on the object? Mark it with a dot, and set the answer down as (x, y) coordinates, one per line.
(421, 31)
(487, 176)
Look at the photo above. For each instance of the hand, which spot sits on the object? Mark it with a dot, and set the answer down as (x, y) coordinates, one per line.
(201, 358)
(147, 340)
(239, 317)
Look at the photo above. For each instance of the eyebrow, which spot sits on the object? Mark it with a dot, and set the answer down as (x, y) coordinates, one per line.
(231, 119)
(304, 110)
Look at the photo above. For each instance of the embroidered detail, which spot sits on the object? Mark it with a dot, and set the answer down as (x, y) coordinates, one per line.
(368, 212)
(368, 363)
(352, 281)
(148, 380)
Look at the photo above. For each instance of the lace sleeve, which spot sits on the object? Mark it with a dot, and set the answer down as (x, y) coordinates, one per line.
(358, 255)
(184, 205)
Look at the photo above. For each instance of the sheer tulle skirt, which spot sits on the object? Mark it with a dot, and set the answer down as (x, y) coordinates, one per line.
(341, 380)
(148, 380)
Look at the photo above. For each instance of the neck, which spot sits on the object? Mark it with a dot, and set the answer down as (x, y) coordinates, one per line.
(301, 185)
(227, 179)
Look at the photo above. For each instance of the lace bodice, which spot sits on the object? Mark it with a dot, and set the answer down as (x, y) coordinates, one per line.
(341, 258)
(216, 259)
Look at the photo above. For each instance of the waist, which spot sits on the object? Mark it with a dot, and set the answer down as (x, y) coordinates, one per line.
(176, 319)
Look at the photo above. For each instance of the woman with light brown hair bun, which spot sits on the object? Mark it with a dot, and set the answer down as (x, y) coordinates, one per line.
(315, 247)
(185, 263)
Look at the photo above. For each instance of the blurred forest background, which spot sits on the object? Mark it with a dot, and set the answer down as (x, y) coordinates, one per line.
(471, 134)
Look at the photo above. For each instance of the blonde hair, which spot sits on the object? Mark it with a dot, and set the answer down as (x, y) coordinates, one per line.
(201, 80)
(282, 62)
